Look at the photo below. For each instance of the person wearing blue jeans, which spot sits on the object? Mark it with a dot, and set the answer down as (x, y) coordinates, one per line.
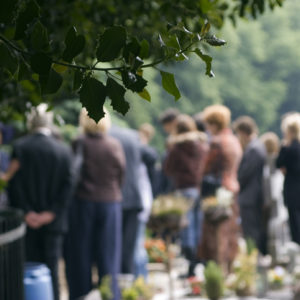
(95, 236)
(185, 162)
(190, 236)
(95, 233)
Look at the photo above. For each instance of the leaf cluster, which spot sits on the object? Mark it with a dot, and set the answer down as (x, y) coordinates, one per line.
(54, 44)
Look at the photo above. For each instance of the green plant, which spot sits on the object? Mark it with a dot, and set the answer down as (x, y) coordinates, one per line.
(105, 288)
(214, 281)
(245, 270)
(139, 290)
(130, 294)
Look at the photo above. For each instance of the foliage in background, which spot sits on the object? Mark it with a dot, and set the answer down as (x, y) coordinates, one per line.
(258, 74)
(57, 47)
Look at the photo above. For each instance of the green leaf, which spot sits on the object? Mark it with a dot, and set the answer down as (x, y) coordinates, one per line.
(7, 9)
(145, 95)
(92, 97)
(132, 49)
(173, 42)
(110, 43)
(74, 45)
(144, 52)
(207, 59)
(31, 11)
(24, 70)
(51, 83)
(40, 63)
(214, 41)
(116, 93)
(168, 83)
(78, 78)
(134, 82)
(8, 60)
(39, 37)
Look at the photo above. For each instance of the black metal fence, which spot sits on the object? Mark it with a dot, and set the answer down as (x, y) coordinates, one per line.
(12, 231)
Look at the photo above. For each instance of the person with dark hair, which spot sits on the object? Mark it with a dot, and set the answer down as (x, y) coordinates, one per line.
(41, 186)
(164, 183)
(185, 165)
(250, 176)
(168, 119)
(199, 120)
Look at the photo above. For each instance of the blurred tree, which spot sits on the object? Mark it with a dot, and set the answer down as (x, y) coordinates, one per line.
(258, 74)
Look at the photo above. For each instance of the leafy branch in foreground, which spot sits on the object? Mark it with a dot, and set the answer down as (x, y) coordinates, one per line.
(113, 62)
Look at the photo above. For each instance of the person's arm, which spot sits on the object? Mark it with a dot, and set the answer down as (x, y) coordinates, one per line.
(169, 165)
(282, 158)
(13, 167)
(120, 155)
(64, 191)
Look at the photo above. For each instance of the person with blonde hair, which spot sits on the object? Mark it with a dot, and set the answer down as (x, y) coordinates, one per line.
(219, 241)
(289, 162)
(95, 216)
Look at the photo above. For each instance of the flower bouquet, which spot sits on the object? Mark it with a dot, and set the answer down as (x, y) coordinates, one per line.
(218, 208)
(169, 213)
(276, 277)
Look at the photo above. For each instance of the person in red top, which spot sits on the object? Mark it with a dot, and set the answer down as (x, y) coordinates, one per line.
(185, 165)
(219, 241)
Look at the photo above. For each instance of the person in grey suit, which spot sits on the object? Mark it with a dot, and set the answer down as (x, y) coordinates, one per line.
(132, 200)
(250, 176)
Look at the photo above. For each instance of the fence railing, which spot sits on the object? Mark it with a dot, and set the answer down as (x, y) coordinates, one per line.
(12, 231)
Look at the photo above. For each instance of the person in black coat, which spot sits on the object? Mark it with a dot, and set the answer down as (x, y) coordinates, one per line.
(41, 187)
(289, 162)
(250, 177)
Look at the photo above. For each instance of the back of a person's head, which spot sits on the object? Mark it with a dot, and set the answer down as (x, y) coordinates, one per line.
(39, 117)
(169, 115)
(199, 120)
(147, 130)
(89, 126)
(246, 125)
(271, 142)
(291, 124)
(185, 123)
(218, 115)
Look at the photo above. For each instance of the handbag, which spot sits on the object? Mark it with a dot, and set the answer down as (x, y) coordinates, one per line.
(210, 184)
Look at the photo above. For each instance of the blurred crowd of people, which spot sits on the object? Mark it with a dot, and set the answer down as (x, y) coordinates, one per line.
(90, 202)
